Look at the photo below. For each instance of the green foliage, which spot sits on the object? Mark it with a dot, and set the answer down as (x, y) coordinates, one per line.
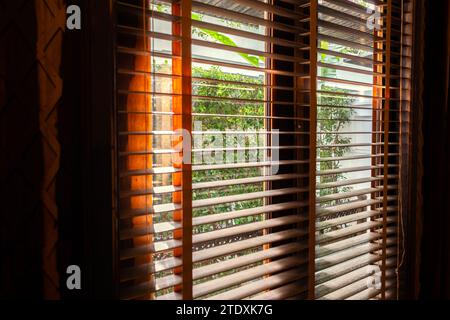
(230, 89)
(224, 39)
(333, 113)
(332, 117)
(206, 88)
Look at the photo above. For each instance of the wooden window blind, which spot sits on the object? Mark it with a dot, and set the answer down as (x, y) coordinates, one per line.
(363, 60)
(236, 177)
(249, 198)
(153, 104)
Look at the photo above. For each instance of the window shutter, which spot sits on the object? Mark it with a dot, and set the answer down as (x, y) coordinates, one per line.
(362, 117)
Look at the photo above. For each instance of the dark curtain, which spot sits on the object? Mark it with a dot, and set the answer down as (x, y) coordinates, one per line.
(21, 154)
(80, 124)
(431, 163)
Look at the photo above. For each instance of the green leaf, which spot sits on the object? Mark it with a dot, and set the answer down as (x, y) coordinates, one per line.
(223, 39)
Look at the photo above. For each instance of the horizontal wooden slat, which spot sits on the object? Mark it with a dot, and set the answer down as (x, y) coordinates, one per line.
(324, 250)
(342, 15)
(349, 69)
(245, 34)
(198, 167)
(211, 218)
(345, 255)
(391, 262)
(347, 182)
(242, 66)
(153, 228)
(345, 267)
(148, 287)
(281, 293)
(260, 285)
(353, 7)
(346, 219)
(246, 228)
(219, 46)
(196, 80)
(291, 147)
(156, 170)
(240, 17)
(365, 61)
(353, 132)
(330, 290)
(229, 248)
(158, 246)
(353, 289)
(247, 259)
(363, 37)
(154, 191)
(245, 197)
(322, 212)
(171, 296)
(270, 8)
(346, 43)
(247, 132)
(349, 82)
(348, 145)
(246, 275)
(348, 194)
(209, 150)
(207, 133)
(140, 271)
(122, 6)
(137, 32)
(348, 231)
(248, 116)
(347, 170)
(225, 166)
(244, 181)
(355, 157)
(156, 209)
(355, 95)
(208, 61)
(368, 294)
